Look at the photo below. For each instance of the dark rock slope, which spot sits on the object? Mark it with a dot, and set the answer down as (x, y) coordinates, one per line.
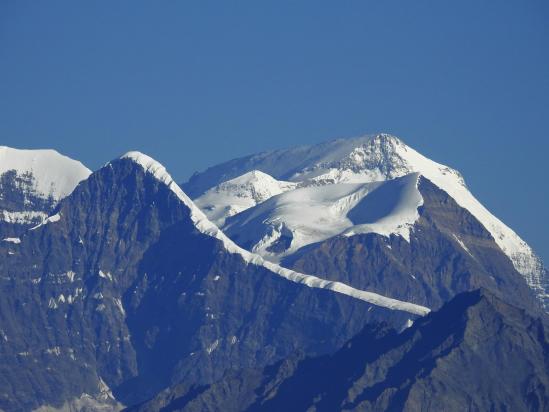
(477, 353)
(118, 296)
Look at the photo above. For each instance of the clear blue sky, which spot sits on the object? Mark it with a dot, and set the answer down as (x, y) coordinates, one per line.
(196, 82)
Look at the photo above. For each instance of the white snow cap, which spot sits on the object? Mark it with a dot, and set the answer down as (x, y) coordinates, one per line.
(205, 226)
(54, 174)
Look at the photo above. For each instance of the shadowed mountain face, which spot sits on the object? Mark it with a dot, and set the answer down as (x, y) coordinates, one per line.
(118, 289)
(449, 252)
(476, 353)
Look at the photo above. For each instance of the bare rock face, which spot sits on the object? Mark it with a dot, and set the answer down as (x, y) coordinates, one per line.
(476, 353)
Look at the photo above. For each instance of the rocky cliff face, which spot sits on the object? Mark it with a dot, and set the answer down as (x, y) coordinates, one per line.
(476, 353)
(118, 295)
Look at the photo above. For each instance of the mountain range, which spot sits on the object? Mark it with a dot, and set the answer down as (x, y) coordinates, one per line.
(264, 280)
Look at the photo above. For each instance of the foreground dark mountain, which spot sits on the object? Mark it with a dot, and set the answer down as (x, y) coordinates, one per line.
(120, 293)
(477, 353)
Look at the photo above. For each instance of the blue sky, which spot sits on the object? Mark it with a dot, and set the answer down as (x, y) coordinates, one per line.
(193, 83)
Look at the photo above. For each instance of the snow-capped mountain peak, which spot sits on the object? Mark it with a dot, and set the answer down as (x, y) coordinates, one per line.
(370, 159)
(49, 172)
(32, 182)
(241, 193)
(376, 158)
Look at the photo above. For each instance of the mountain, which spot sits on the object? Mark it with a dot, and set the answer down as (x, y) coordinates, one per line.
(477, 353)
(126, 288)
(32, 182)
(120, 290)
(324, 175)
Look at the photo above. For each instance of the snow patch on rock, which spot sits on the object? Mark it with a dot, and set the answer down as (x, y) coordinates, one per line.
(51, 219)
(22, 218)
